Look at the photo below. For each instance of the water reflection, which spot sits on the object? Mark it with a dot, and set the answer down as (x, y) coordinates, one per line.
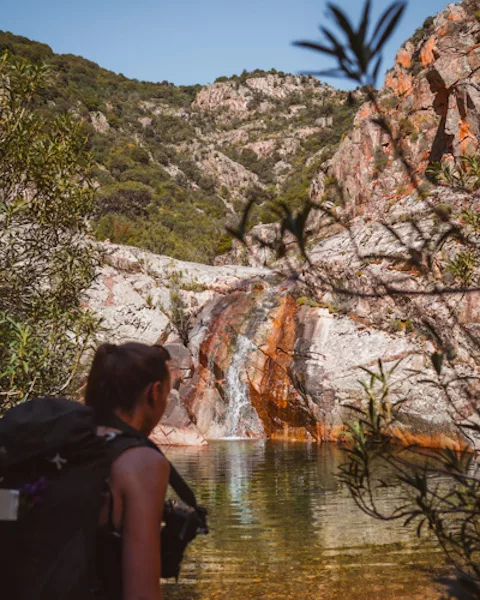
(283, 527)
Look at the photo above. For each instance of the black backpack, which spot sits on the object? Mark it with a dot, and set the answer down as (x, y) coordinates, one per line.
(53, 463)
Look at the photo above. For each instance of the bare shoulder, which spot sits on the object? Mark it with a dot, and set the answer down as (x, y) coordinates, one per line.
(141, 465)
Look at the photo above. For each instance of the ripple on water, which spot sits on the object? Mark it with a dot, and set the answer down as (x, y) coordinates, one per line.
(282, 527)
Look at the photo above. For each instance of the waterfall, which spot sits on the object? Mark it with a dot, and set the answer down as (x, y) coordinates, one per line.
(242, 418)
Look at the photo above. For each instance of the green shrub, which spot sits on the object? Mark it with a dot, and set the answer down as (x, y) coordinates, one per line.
(130, 198)
(151, 176)
(405, 127)
(44, 328)
(381, 159)
(224, 244)
(305, 301)
(463, 266)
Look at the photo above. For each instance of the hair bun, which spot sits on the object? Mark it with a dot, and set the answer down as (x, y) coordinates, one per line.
(109, 349)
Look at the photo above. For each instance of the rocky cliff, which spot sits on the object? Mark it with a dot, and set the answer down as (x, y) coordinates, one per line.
(259, 360)
(431, 102)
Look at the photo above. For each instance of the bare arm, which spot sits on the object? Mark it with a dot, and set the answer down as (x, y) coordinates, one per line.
(143, 477)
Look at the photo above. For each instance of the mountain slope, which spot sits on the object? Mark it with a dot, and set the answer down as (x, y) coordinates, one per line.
(176, 164)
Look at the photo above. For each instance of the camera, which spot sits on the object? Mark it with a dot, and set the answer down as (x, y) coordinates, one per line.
(182, 524)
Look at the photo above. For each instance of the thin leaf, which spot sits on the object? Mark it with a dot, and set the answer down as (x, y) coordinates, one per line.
(362, 30)
(376, 69)
(389, 30)
(437, 359)
(342, 21)
(382, 21)
(316, 47)
(340, 51)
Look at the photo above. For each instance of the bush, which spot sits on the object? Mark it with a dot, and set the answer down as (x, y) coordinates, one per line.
(45, 261)
(151, 176)
(224, 244)
(130, 198)
(380, 159)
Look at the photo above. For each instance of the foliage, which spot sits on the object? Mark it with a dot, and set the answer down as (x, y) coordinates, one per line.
(249, 75)
(465, 174)
(130, 198)
(464, 266)
(178, 313)
(358, 59)
(261, 166)
(441, 490)
(405, 128)
(422, 32)
(47, 264)
(76, 78)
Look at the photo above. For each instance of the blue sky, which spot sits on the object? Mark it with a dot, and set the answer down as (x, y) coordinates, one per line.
(191, 41)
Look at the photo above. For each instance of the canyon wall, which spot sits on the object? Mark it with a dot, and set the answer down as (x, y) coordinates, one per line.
(431, 101)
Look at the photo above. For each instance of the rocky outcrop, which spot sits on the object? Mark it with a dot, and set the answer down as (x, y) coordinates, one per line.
(269, 354)
(296, 371)
(431, 101)
(99, 122)
(228, 173)
(260, 360)
(133, 295)
(238, 96)
(132, 292)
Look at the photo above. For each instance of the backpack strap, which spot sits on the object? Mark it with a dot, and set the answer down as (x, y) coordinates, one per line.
(181, 488)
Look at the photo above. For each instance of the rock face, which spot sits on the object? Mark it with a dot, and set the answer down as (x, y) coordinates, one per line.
(268, 366)
(99, 122)
(432, 103)
(133, 294)
(133, 291)
(229, 173)
(238, 97)
(259, 361)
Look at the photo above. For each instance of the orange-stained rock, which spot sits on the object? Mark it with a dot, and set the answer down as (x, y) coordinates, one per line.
(432, 440)
(427, 55)
(400, 82)
(436, 112)
(456, 13)
(364, 111)
(403, 58)
(273, 395)
(468, 141)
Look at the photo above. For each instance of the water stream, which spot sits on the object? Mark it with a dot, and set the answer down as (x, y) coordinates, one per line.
(283, 528)
(242, 417)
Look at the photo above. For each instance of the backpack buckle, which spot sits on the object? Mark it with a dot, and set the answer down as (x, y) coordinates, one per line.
(9, 504)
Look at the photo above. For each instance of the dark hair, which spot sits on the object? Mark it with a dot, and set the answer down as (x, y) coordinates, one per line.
(119, 374)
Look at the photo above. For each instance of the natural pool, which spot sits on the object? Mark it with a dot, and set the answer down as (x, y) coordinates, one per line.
(282, 527)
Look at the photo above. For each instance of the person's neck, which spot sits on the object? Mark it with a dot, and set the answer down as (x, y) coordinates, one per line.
(134, 419)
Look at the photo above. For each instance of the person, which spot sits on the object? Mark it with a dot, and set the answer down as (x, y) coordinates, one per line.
(131, 381)
(91, 485)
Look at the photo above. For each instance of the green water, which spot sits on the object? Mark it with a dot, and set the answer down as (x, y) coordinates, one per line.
(282, 527)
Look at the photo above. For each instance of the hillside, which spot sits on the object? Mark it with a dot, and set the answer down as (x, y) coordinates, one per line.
(175, 164)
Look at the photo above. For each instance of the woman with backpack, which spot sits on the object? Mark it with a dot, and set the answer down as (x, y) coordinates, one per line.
(131, 382)
(90, 486)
